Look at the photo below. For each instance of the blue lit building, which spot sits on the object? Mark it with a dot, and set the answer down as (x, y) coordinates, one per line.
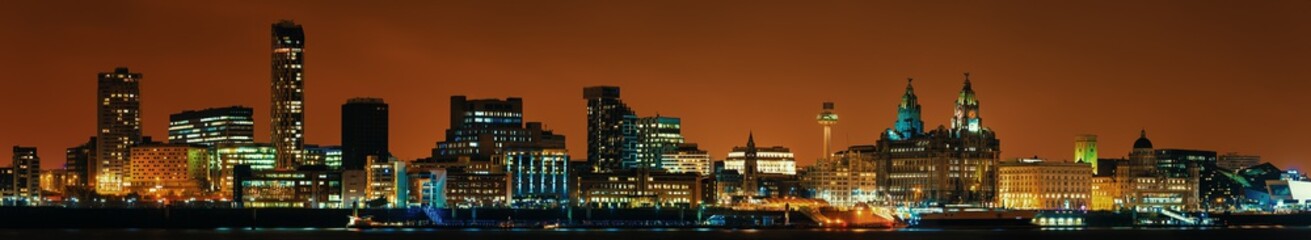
(488, 137)
(908, 123)
(612, 135)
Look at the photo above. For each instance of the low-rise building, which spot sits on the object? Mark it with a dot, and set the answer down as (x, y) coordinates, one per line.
(1043, 185)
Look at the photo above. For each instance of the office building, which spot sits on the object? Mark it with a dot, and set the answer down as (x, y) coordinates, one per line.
(255, 156)
(1176, 162)
(638, 188)
(488, 136)
(844, 179)
(364, 131)
(330, 156)
(612, 136)
(387, 181)
(27, 173)
(118, 125)
(1234, 161)
(954, 165)
(656, 135)
(308, 187)
(288, 105)
(687, 158)
(170, 171)
(1035, 184)
(208, 127)
(480, 128)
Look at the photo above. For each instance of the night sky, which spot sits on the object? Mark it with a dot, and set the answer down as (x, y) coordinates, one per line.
(1219, 75)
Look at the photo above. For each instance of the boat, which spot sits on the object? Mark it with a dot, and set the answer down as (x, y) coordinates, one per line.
(976, 217)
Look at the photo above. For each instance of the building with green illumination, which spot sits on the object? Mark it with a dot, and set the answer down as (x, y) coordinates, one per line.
(1085, 150)
(656, 136)
(258, 156)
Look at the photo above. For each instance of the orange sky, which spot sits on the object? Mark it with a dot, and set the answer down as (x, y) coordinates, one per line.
(1221, 75)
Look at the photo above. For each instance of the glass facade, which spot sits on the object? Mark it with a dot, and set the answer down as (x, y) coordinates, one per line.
(212, 126)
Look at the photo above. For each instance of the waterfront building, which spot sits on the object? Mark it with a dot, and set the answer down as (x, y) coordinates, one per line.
(208, 127)
(480, 128)
(687, 158)
(118, 125)
(255, 156)
(488, 136)
(466, 189)
(387, 181)
(766, 160)
(78, 162)
(170, 171)
(612, 136)
(954, 165)
(1176, 162)
(364, 131)
(844, 179)
(27, 173)
(288, 102)
(1085, 150)
(330, 156)
(1234, 161)
(1143, 187)
(54, 181)
(307, 187)
(1036, 184)
(6, 185)
(539, 171)
(656, 136)
(638, 188)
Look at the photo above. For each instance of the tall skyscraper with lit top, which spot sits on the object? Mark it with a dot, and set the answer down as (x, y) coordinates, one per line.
(118, 125)
(827, 119)
(288, 111)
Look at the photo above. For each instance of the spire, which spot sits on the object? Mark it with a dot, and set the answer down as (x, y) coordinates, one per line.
(967, 80)
(751, 140)
(1143, 134)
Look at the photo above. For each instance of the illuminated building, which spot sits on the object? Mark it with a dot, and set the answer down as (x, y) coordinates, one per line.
(638, 188)
(827, 119)
(656, 135)
(1105, 190)
(364, 132)
(466, 188)
(480, 128)
(307, 187)
(539, 174)
(687, 158)
(488, 136)
(943, 166)
(54, 181)
(1176, 162)
(1085, 150)
(387, 181)
(767, 160)
(330, 156)
(1039, 185)
(6, 185)
(170, 171)
(118, 125)
(27, 173)
(1235, 161)
(844, 179)
(207, 127)
(1143, 187)
(612, 136)
(255, 156)
(288, 110)
(78, 163)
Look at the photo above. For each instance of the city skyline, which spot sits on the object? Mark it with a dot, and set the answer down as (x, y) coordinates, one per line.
(416, 74)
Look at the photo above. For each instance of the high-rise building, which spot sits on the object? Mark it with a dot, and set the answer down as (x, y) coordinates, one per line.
(656, 135)
(27, 173)
(364, 131)
(255, 156)
(78, 163)
(480, 128)
(611, 129)
(1085, 150)
(118, 125)
(1041, 185)
(208, 127)
(827, 119)
(1234, 161)
(946, 165)
(687, 158)
(170, 171)
(288, 111)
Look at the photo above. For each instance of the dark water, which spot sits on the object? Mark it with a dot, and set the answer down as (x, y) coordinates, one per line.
(1271, 233)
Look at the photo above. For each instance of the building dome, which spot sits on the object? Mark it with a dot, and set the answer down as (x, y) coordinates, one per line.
(1142, 141)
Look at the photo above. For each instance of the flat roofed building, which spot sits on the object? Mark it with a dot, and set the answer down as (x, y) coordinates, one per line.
(1042, 185)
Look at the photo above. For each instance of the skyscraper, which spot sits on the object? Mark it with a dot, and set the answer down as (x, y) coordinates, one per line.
(656, 135)
(827, 119)
(212, 126)
(611, 131)
(27, 173)
(118, 124)
(363, 131)
(288, 111)
(1085, 150)
(79, 162)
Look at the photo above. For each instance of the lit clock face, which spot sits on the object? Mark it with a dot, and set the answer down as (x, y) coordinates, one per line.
(973, 114)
